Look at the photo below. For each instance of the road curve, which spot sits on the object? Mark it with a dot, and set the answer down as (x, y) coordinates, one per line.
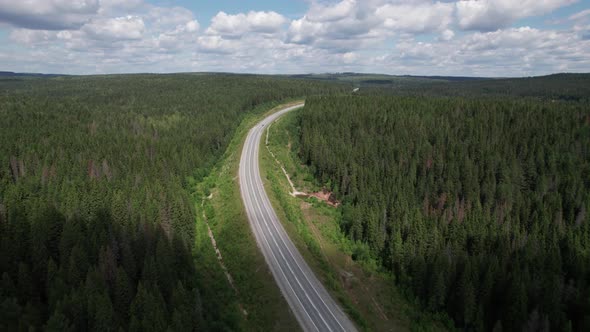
(313, 307)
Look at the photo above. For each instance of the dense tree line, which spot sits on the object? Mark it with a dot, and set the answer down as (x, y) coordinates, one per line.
(479, 208)
(95, 275)
(571, 87)
(96, 218)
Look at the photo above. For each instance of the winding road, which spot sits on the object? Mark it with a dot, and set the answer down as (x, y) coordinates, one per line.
(313, 307)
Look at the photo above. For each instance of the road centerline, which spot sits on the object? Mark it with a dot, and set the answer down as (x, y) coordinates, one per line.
(312, 305)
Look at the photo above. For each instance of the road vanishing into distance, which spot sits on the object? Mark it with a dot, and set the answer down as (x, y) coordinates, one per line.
(313, 307)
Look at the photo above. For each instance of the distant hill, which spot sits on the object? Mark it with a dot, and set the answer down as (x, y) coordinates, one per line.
(387, 81)
(451, 78)
(562, 86)
(13, 74)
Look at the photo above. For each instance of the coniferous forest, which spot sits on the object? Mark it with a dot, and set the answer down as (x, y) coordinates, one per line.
(96, 218)
(473, 195)
(479, 207)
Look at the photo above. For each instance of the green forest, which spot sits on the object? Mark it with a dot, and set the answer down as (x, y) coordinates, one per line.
(474, 195)
(478, 206)
(97, 222)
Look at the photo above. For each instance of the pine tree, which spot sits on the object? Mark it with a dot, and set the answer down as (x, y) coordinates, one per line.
(58, 322)
(10, 313)
(103, 313)
(25, 287)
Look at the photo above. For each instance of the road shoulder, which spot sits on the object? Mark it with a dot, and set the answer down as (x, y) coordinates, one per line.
(365, 293)
(257, 293)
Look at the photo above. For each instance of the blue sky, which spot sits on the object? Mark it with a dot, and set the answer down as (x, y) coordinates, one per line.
(420, 37)
(205, 10)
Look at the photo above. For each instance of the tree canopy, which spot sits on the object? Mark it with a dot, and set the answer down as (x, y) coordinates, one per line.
(478, 207)
(97, 223)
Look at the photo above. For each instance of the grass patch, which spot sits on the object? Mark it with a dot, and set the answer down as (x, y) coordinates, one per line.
(365, 292)
(258, 293)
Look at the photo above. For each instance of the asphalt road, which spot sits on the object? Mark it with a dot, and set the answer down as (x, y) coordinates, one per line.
(313, 307)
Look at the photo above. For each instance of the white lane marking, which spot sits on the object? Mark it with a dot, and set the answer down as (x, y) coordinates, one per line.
(269, 248)
(256, 200)
(311, 284)
(259, 206)
(285, 278)
(256, 132)
(269, 208)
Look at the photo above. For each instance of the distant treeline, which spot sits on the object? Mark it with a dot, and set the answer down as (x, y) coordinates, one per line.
(9, 74)
(479, 207)
(96, 218)
(572, 87)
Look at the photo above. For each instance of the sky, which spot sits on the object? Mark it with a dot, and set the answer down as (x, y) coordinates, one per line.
(417, 37)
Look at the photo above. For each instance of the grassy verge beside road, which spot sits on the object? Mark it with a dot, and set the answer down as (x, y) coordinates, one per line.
(366, 294)
(258, 293)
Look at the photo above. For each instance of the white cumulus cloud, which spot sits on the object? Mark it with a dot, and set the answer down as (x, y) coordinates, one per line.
(118, 28)
(47, 14)
(489, 15)
(252, 22)
(426, 37)
(416, 18)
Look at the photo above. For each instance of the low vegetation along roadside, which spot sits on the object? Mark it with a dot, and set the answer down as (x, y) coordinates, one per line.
(261, 305)
(345, 267)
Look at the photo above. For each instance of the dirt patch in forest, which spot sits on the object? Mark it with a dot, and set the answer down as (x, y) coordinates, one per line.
(324, 195)
(327, 197)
